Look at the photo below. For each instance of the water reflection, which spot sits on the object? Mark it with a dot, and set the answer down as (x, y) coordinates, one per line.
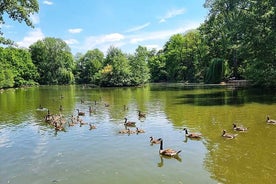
(228, 97)
(162, 157)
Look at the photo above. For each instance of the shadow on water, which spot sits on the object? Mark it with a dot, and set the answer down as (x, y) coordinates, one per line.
(229, 97)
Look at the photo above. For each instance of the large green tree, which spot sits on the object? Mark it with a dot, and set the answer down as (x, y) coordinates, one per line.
(89, 65)
(17, 10)
(54, 61)
(139, 66)
(116, 71)
(16, 68)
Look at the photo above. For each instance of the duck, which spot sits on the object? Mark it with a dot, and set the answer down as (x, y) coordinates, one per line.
(228, 136)
(167, 152)
(80, 113)
(239, 128)
(139, 130)
(129, 123)
(154, 141)
(192, 135)
(141, 115)
(92, 126)
(270, 121)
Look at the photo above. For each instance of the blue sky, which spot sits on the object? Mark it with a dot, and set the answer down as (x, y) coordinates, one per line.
(89, 24)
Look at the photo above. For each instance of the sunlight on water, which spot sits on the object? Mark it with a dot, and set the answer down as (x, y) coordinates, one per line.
(32, 151)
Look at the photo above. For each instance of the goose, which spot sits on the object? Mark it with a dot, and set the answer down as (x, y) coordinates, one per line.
(80, 113)
(270, 121)
(141, 115)
(154, 141)
(126, 131)
(139, 130)
(92, 127)
(192, 135)
(228, 136)
(91, 110)
(129, 123)
(60, 108)
(167, 152)
(239, 128)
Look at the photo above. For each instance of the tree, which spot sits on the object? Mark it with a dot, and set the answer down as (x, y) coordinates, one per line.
(20, 11)
(116, 71)
(53, 60)
(157, 66)
(139, 66)
(88, 65)
(16, 68)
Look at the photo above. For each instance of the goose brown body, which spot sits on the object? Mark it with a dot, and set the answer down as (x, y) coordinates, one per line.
(192, 135)
(239, 128)
(228, 136)
(167, 152)
(270, 121)
(129, 123)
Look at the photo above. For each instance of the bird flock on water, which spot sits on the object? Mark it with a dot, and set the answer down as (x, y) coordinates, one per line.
(59, 123)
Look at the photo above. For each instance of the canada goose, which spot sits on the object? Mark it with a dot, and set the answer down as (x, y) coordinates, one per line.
(126, 131)
(60, 108)
(91, 110)
(228, 136)
(129, 123)
(92, 127)
(154, 141)
(192, 135)
(270, 121)
(139, 130)
(58, 127)
(141, 115)
(106, 105)
(80, 113)
(239, 128)
(167, 152)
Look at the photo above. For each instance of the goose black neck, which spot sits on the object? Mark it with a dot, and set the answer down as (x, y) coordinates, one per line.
(161, 144)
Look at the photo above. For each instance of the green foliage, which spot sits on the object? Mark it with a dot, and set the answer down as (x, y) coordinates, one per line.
(139, 66)
(54, 61)
(17, 68)
(116, 71)
(156, 64)
(216, 72)
(89, 65)
(20, 11)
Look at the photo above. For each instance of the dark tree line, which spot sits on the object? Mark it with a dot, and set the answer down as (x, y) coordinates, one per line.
(237, 40)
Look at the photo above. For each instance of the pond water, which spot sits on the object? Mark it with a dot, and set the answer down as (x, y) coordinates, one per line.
(32, 151)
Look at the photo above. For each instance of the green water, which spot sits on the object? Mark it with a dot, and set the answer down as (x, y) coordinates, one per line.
(31, 151)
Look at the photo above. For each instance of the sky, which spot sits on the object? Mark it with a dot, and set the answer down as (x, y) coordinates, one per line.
(89, 24)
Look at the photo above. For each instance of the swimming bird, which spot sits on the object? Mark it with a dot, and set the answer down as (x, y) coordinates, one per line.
(154, 141)
(228, 136)
(129, 123)
(80, 113)
(139, 130)
(141, 115)
(239, 128)
(92, 126)
(270, 121)
(167, 152)
(192, 135)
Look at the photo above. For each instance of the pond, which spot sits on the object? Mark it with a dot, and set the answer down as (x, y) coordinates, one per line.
(32, 151)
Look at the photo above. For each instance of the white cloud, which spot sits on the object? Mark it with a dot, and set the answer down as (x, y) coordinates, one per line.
(31, 38)
(74, 31)
(129, 42)
(34, 18)
(172, 13)
(48, 2)
(137, 28)
(71, 41)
